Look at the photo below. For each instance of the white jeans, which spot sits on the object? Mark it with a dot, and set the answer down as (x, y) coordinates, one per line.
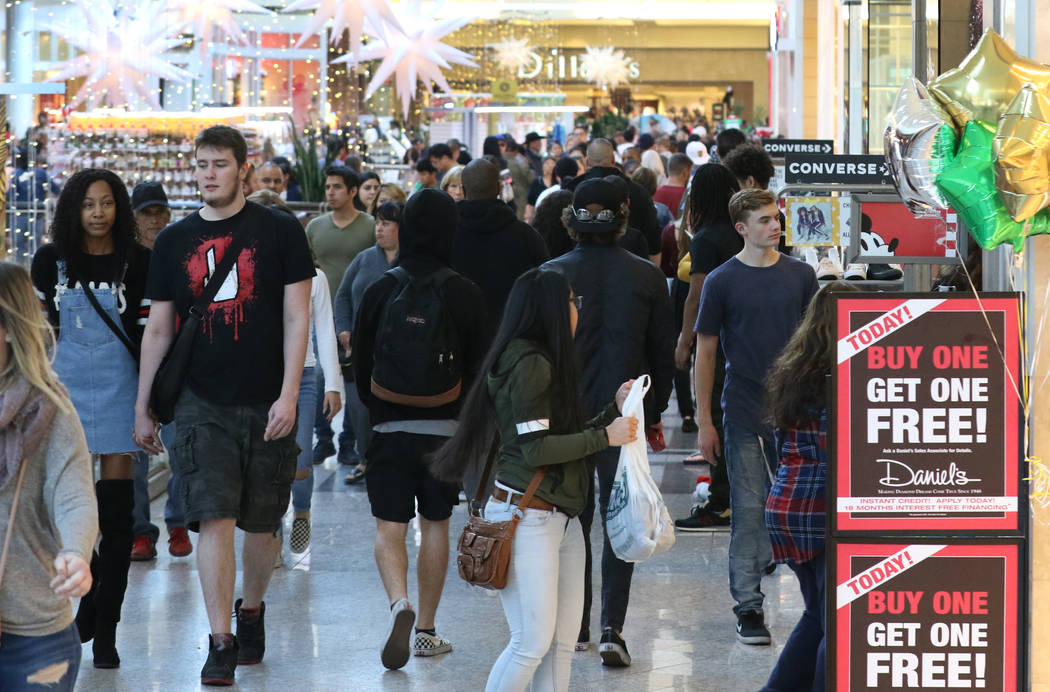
(543, 601)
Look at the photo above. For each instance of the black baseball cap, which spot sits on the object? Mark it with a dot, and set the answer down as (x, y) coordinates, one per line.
(533, 137)
(610, 192)
(149, 194)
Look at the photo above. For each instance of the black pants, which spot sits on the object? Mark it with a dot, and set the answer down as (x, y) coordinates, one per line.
(719, 492)
(683, 385)
(616, 574)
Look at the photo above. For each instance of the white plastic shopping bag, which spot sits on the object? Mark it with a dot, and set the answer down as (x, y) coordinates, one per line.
(636, 519)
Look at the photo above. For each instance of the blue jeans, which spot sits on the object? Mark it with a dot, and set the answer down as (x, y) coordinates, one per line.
(26, 658)
(174, 512)
(349, 451)
(750, 460)
(801, 664)
(303, 490)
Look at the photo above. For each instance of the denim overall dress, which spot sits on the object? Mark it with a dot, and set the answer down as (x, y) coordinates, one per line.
(96, 368)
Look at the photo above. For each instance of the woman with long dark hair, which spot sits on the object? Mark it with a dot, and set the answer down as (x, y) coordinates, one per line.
(529, 401)
(44, 462)
(367, 189)
(95, 254)
(711, 241)
(796, 399)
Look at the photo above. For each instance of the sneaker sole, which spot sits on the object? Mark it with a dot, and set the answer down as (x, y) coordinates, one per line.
(703, 529)
(760, 640)
(583, 646)
(397, 651)
(217, 682)
(614, 655)
(432, 652)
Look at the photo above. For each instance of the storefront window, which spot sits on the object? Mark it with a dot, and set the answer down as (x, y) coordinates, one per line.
(889, 62)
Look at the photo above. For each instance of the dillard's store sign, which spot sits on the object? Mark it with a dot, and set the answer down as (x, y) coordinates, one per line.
(555, 63)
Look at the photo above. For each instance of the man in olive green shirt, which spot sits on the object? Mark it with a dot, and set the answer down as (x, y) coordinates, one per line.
(336, 238)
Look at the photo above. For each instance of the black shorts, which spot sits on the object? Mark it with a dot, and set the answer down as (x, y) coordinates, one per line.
(398, 477)
(227, 470)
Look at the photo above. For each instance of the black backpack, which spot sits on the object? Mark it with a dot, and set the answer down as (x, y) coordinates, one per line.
(417, 354)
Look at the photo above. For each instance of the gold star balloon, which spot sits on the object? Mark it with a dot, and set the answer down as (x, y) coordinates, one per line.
(986, 81)
(1022, 154)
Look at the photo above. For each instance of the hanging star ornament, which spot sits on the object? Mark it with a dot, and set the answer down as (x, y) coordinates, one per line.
(411, 50)
(919, 143)
(986, 81)
(205, 15)
(1022, 154)
(121, 48)
(346, 15)
(512, 54)
(606, 66)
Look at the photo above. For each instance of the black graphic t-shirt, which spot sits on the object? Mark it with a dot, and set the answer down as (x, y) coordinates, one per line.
(101, 271)
(238, 356)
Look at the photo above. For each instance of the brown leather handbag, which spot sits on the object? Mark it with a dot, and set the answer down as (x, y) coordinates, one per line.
(484, 546)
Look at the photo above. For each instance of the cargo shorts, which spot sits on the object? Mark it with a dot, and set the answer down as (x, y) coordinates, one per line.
(228, 471)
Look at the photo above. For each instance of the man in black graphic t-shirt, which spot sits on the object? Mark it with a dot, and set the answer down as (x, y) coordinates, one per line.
(235, 420)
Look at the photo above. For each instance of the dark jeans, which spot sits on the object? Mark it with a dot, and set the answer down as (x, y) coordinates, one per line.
(718, 499)
(801, 664)
(683, 385)
(616, 574)
(23, 659)
(174, 512)
(348, 453)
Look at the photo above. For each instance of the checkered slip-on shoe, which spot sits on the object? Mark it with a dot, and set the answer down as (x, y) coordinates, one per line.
(300, 539)
(430, 645)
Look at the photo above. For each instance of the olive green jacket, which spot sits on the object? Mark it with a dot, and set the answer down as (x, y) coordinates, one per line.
(520, 389)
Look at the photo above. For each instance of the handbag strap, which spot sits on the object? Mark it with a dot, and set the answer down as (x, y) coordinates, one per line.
(530, 491)
(233, 250)
(11, 518)
(132, 349)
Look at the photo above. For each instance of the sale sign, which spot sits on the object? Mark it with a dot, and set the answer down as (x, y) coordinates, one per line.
(926, 419)
(924, 615)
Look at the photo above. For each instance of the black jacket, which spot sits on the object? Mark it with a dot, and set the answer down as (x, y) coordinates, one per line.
(425, 241)
(643, 211)
(625, 327)
(493, 248)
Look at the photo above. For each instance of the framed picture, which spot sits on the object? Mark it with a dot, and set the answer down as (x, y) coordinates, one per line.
(812, 221)
(887, 232)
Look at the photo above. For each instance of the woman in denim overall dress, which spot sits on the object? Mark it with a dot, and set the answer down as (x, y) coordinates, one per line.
(94, 248)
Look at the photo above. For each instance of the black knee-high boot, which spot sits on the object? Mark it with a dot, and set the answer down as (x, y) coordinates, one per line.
(116, 502)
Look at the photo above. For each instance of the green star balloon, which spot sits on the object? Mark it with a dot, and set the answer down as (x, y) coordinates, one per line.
(968, 183)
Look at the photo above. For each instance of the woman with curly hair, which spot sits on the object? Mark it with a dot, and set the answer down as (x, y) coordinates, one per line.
(91, 279)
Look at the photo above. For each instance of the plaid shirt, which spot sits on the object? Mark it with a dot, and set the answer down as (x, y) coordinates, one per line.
(795, 507)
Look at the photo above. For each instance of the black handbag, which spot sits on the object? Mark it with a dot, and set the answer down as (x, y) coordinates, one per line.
(171, 375)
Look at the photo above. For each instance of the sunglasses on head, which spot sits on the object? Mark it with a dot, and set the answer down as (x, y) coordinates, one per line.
(585, 216)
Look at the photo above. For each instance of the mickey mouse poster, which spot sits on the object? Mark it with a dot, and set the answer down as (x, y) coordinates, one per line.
(889, 233)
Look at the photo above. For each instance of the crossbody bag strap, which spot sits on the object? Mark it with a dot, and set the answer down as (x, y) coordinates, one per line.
(533, 485)
(113, 327)
(11, 518)
(233, 250)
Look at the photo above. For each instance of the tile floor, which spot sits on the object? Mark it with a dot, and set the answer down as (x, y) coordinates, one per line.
(326, 613)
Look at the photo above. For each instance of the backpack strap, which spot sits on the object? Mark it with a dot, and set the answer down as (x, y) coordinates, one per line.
(438, 277)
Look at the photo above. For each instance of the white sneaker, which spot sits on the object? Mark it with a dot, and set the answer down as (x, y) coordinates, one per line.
(855, 272)
(812, 258)
(430, 645)
(395, 652)
(828, 270)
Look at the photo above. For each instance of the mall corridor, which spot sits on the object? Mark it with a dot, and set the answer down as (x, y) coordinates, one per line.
(326, 612)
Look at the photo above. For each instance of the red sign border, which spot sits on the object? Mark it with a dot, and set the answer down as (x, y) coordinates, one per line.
(838, 620)
(1011, 523)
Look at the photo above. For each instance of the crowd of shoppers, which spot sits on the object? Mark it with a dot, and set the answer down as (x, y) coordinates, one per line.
(440, 325)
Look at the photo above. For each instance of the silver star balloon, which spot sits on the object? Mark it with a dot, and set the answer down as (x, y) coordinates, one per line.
(919, 143)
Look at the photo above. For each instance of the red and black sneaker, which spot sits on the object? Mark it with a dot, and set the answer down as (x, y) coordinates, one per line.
(179, 542)
(219, 669)
(251, 634)
(143, 549)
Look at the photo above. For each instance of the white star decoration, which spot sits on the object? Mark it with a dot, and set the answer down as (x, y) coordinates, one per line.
(345, 15)
(512, 54)
(411, 51)
(605, 66)
(121, 49)
(203, 15)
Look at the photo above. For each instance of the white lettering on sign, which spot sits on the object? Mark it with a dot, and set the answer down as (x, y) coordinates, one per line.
(858, 340)
(855, 587)
(837, 168)
(557, 63)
